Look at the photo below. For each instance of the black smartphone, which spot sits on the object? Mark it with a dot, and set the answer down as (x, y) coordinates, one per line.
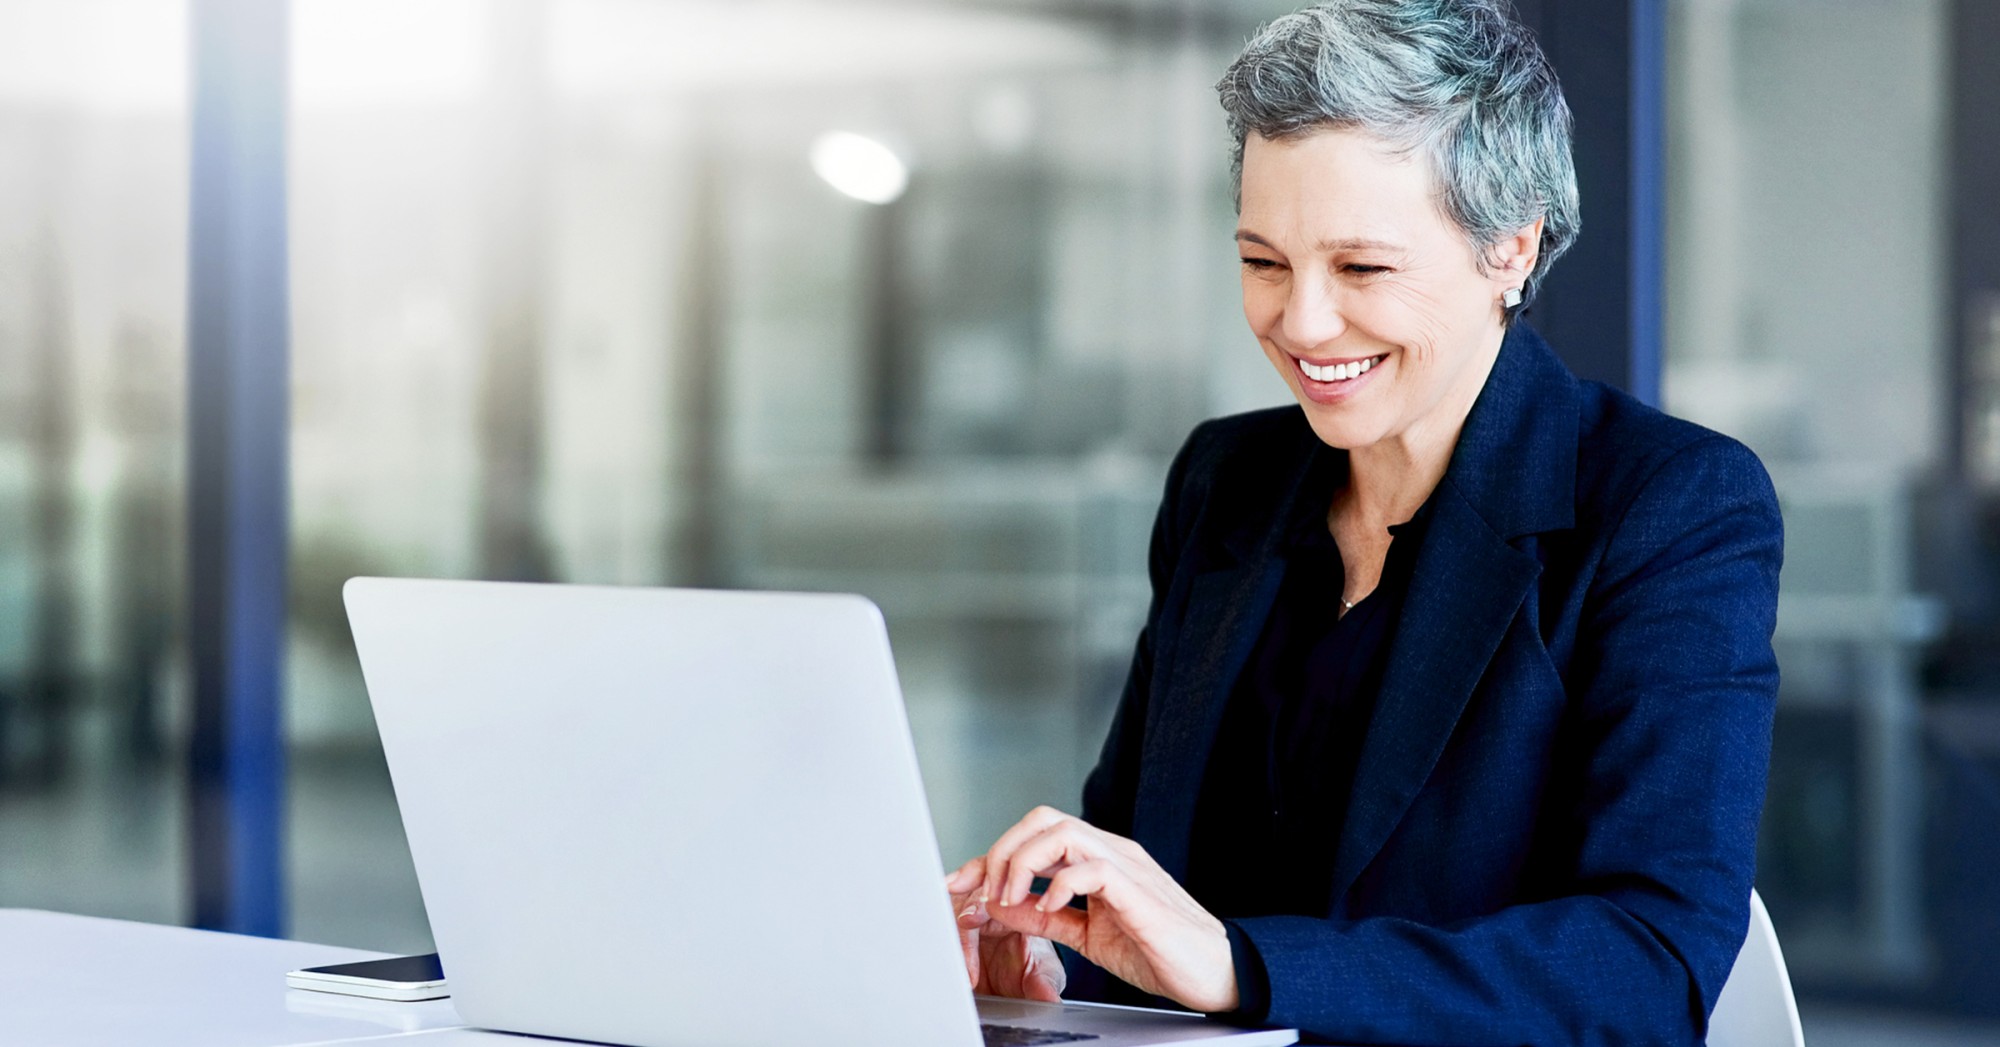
(401, 978)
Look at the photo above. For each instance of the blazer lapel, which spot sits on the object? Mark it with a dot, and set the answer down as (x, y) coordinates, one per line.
(1513, 473)
(1226, 608)
(1465, 589)
(1226, 612)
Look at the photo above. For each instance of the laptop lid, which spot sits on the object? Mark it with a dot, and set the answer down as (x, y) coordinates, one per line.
(659, 816)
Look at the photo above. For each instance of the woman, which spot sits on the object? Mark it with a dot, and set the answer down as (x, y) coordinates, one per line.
(1450, 720)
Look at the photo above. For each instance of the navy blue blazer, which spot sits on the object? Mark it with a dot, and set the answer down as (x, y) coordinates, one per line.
(1552, 830)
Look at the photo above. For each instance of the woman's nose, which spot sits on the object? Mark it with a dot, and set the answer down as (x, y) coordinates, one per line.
(1312, 314)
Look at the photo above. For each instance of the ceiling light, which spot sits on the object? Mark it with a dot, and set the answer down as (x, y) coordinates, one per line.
(860, 167)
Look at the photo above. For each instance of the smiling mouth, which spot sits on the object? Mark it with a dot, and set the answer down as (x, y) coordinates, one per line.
(1340, 372)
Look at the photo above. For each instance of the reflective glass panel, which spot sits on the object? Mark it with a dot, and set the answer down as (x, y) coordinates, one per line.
(1813, 304)
(93, 246)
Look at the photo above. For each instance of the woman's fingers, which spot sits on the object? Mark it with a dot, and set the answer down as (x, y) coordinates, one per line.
(1043, 977)
(1088, 878)
(1140, 925)
(961, 884)
(1019, 966)
(968, 943)
(964, 878)
(1052, 918)
(1030, 825)
(968, 915)
(1069, 842)
(1067, 926)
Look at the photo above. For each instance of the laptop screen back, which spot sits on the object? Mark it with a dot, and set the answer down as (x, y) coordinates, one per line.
(655, 816)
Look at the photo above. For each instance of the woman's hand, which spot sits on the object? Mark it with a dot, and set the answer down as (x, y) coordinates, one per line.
(1140, 924)
(1000, 960)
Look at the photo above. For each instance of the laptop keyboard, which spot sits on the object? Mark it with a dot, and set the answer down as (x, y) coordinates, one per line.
(1022, 1036)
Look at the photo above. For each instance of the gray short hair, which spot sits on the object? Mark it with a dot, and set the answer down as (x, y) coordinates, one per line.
(1461, 80)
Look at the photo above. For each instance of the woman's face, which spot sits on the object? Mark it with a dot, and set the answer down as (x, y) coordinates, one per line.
(1366, 297)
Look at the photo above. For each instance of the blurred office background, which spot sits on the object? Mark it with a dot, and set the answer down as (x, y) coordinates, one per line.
(916, 299)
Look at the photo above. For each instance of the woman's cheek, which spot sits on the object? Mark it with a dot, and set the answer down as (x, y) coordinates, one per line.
(1262, 307)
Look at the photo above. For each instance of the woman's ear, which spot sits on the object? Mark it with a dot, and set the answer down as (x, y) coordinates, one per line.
(1514, 257)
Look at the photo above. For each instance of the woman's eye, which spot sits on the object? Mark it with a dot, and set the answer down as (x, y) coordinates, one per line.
(1260, 263)
(1366, 270)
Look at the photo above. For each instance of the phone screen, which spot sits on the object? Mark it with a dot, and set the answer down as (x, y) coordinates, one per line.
(404, 969)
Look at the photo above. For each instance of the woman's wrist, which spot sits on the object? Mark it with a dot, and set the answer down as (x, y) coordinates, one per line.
(1253, 983)
(1221, 994)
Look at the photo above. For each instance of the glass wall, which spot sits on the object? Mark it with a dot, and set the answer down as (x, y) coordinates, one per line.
(1810, 305)
(93, 210)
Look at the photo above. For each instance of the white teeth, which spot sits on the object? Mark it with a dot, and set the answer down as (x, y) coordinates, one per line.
(1337, 372)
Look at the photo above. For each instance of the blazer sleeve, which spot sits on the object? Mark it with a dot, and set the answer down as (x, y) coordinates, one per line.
(1110, 791)
(1672, 689)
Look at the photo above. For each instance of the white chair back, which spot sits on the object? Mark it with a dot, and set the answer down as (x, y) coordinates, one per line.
(1756, 1008)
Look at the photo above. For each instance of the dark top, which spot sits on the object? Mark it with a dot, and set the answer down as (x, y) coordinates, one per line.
(1268, 820)
(1552, 827)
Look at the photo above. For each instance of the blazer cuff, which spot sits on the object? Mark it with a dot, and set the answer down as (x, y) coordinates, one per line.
(1253, 983)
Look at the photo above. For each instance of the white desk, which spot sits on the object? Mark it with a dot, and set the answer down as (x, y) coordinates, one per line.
(79, 981)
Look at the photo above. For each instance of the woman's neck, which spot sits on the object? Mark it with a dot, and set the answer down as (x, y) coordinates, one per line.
(1389, 480)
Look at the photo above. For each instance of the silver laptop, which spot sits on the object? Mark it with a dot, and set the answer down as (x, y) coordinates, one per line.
(664, 817)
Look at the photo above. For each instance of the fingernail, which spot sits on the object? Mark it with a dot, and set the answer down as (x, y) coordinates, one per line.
(968, 911)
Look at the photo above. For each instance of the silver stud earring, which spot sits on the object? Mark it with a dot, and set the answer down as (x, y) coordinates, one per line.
(1511, 297)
